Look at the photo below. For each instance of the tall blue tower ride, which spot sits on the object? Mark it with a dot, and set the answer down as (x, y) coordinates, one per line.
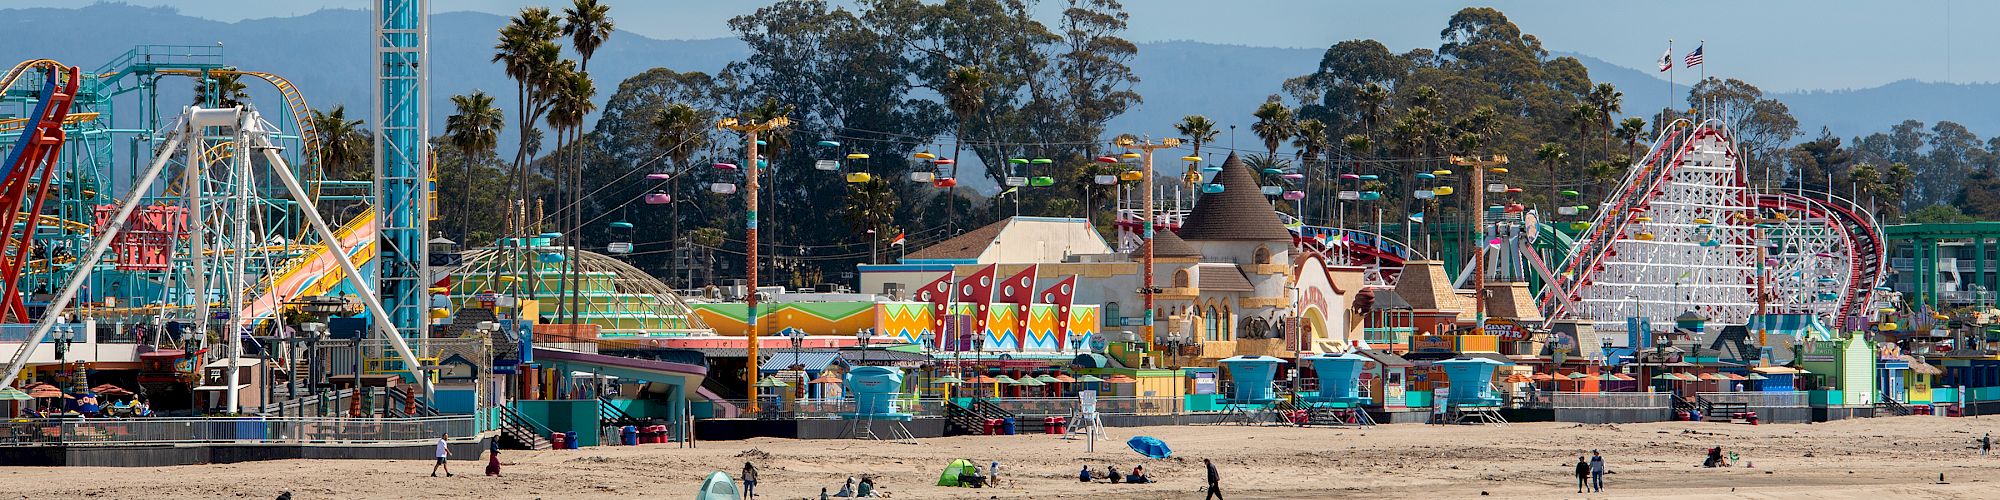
(402, 160)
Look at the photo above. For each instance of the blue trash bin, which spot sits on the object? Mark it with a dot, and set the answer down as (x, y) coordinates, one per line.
(571, 435)
(1007, 426)
(630, 434)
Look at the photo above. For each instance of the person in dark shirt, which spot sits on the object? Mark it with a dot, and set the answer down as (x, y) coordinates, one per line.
(1582, 474)
(1214, 481)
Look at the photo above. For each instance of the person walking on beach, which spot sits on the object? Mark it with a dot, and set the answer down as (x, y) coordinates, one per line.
(1582, 474)
(1985, 444)
(493, 458)
(1214, 481)
(1596, 471)
(749, 481)
(443, 452)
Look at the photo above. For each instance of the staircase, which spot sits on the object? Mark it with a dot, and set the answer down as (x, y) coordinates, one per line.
(1327, 416)
(1892, 407)
(326, 403)
(1681, 404)
(395, 401)
(611, 416)
(519, 432)
(971, 420)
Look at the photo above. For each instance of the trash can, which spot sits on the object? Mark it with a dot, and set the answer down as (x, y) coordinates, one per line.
(629, 435)
(1007, 426)
(571, 435)
(557, 441)
(1048, 425)
(1062, 425)
(993, 427)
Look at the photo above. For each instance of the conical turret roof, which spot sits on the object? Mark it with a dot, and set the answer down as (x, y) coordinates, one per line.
(1238, 213)
(1166, 244)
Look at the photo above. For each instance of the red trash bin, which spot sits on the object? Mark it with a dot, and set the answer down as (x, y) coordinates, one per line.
(992, 427)
(1062, 425)
(557, 441)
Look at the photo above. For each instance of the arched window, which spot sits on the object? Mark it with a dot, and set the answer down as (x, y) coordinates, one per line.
(1225, 319)
(1212, 331)
(1110, 316)
(1263, 255)
(1181, 279)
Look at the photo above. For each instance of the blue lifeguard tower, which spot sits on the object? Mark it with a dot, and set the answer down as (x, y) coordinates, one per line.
(1250, 397)
(875, 389)
(1339, 400)
(1471, 398)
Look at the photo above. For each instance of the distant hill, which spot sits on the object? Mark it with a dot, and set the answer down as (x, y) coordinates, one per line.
(326, 54)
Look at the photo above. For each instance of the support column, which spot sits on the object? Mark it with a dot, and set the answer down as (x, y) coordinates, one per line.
(1979, 263)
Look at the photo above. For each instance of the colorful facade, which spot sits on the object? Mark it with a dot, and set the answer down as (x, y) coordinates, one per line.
(911, 322)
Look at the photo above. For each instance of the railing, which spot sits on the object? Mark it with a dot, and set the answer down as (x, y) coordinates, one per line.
(285, 430)
(1020, 407)
(1598, 400)
(1772, 399)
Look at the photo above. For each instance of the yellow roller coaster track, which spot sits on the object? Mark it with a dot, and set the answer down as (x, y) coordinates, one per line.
(7, 82)
(12, 125)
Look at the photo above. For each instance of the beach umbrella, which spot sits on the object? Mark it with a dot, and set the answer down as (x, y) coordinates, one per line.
(982, 379)
(1003, 379)
(1047, 379)
(1577, 376)
(1517, 378)
(1121, 379)
(12, 394)
(1089, 378)
(1607, 377)
(110, 390)
(950, 379)
(1757, 376)
(1623, 377)
(1029, 381)
(1666, 376)
(1540, 377)
(1150, 446)
(772, 382)
(1064, 378)
(1734, 377)
(1710, 376)
(1686, 377)
(826, 378)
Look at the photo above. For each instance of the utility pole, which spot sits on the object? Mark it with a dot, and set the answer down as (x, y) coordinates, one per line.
(750, 128)
(1146, 235)
(1478, 187)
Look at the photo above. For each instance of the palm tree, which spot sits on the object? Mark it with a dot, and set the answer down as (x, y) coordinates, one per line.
(588, 24)
(1197, 129)
(1311, 140)
(228, 87)
(527, 52)
(965, 93)
(1631, 130)
(1371, 98)
(1357, 146)
(474, 128)
(1582, 114)
(871, 206)
(1608, 100)
(678, 132)
(1551, 154)
(708, 238)
(344, 144)
(570, 104)
(1275, 123)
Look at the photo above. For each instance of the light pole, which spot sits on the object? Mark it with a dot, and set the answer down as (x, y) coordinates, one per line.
(1146, 235)
(750, 128)
(63, 338)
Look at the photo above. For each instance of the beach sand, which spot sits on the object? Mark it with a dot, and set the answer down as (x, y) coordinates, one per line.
(1877, 458)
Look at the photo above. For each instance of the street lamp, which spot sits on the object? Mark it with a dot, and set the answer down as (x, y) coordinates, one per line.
(63, 338)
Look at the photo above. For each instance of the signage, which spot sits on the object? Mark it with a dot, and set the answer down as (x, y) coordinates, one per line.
(1431, 344)
(1204, 383)
(1506, 329)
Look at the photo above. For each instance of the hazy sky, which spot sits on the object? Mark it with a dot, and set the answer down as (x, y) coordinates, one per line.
(1775, 44)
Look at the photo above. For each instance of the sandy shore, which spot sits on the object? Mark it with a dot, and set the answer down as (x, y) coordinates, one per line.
(1867, 458)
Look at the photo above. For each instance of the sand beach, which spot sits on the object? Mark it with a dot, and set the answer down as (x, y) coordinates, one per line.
(1876, 458)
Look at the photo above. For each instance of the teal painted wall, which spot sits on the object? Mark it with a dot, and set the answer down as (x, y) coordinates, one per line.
(564, 415)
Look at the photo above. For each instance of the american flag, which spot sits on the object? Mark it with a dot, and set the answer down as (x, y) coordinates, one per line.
(1694, 58)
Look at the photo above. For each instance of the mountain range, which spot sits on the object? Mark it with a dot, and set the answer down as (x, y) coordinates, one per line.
(325, 54)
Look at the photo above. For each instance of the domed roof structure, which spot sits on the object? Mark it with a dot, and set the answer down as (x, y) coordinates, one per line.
(620, 299)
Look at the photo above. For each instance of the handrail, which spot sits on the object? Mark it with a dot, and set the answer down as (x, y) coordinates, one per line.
(512, 416)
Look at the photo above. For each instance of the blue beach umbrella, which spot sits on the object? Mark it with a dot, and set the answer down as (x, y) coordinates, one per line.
(1150, 446)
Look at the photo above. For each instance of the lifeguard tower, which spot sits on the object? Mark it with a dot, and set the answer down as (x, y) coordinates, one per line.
(1471, 398)
(1339, 401)
(1250, 400)
(875, 389)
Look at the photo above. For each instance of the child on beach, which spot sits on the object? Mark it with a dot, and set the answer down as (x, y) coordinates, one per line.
(1582, 474)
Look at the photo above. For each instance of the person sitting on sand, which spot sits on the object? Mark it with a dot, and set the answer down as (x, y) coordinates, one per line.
(846, 490)
(1114, 475)
(1138, 476)
(867, 488)
(1714, 457)
(1084, 476)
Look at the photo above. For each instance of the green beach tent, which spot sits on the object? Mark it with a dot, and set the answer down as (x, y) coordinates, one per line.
(718, 486)
(951, 472)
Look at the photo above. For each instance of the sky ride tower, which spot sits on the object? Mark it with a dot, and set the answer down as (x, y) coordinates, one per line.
(402, 159)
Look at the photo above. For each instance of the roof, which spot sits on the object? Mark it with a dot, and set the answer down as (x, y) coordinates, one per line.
(853, 355)
(964, 246)
(1238, 213)
(1221, 278)
(1480, 357)
(1167, 244)
(1387, 299)
(1386, 358)
(783, 360)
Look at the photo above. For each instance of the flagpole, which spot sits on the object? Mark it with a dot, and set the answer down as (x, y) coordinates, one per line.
(1702, 47)
(1670, 76)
